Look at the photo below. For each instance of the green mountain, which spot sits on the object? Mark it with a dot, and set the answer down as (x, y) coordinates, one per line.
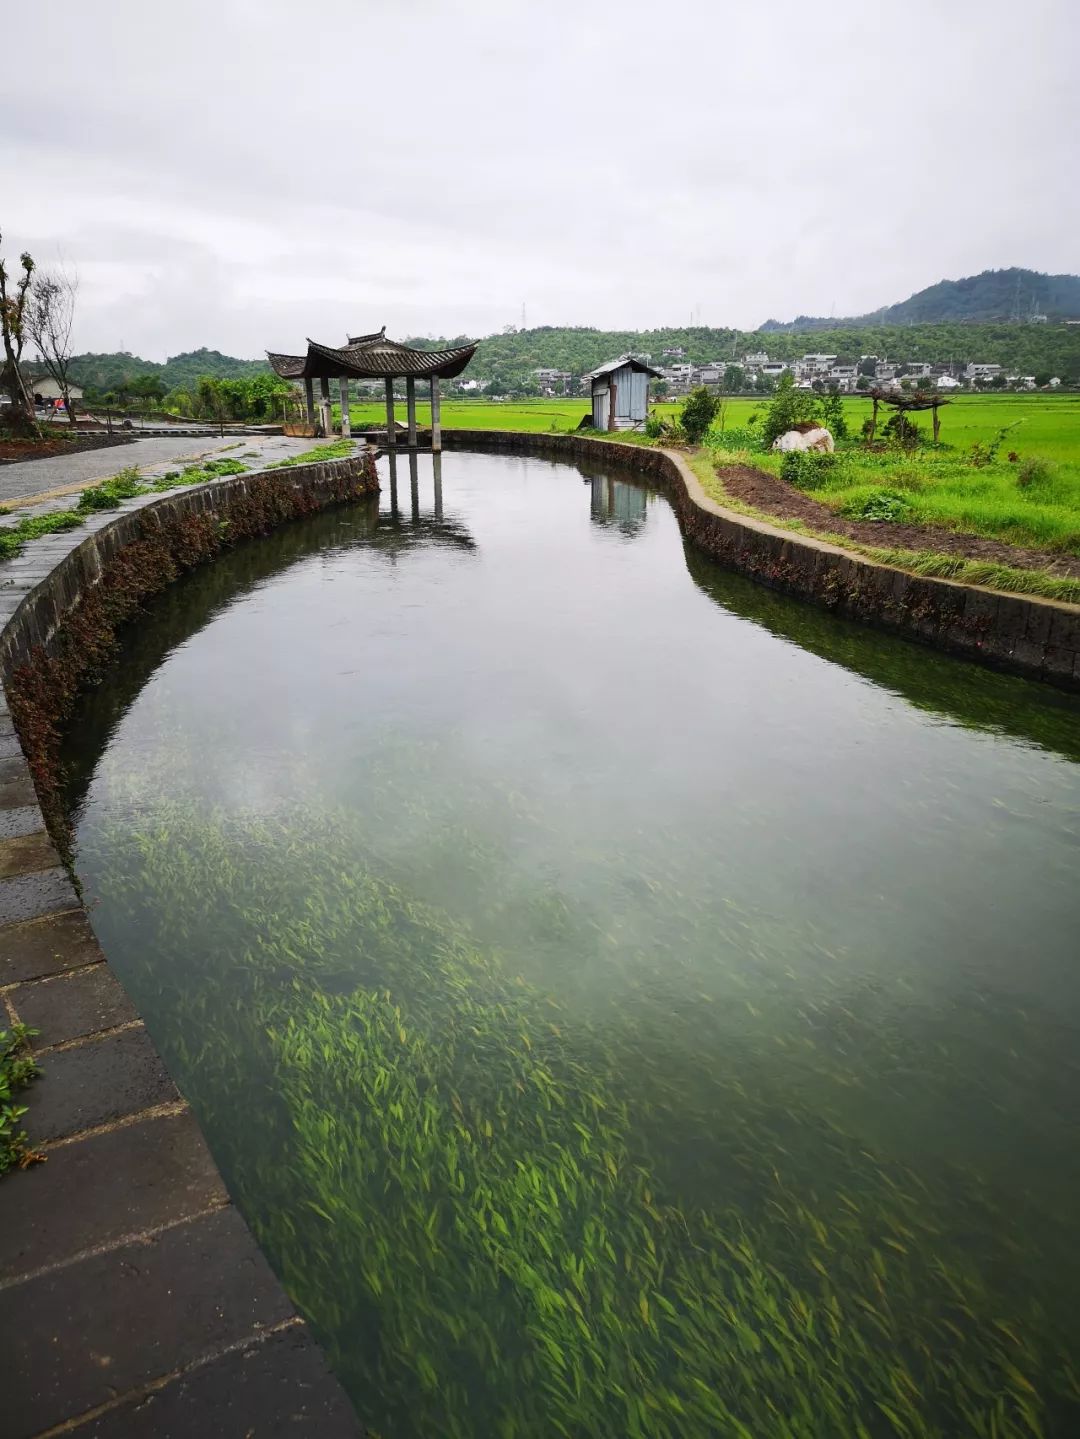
(511, 357)
(995, 295)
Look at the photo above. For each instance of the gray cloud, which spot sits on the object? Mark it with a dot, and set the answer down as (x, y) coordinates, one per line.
(246, 174)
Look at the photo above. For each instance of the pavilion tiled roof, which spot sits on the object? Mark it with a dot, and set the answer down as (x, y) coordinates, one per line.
(371, 357)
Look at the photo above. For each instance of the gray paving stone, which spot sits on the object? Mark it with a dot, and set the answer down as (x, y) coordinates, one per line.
(16, 786)
(22, 819)
(29, 896)
(99, 1190)
(47, 946)
(80, 1336)
(72, 1005)
(27, 854)
(95, 1082)
(9, 743)
(281, 1386)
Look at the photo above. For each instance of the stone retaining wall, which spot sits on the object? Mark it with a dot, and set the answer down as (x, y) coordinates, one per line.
(1035, 637)
(133, 1299)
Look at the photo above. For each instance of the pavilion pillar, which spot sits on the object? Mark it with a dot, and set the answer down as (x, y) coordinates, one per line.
(410, 398)
(436, 420)
(346, 423)
(309, 400)
(436, 467)
(324, 403)
(393, 483)
(391, 432)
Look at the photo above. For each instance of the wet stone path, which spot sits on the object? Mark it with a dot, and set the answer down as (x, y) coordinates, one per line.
(66, 473)
(133, 1299)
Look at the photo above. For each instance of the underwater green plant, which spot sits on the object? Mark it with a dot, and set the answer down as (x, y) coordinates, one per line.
(496, 1232)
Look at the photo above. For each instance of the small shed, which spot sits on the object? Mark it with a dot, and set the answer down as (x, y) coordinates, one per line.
(620, 393)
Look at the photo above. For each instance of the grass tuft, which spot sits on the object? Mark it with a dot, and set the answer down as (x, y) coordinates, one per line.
(17, 1068)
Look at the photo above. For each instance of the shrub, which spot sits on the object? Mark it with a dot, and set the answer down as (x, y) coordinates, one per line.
(807, 469)
(789, 407)
(899, 430)
(877, 505)
(697, 414)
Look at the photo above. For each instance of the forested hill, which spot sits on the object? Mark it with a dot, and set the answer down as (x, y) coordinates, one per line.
(105, 372)
(512, 356)
(1026, 349)
(995, 295)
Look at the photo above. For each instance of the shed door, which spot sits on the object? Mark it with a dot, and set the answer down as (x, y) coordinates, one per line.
(639, 395)
(600, 408)
(623, 381)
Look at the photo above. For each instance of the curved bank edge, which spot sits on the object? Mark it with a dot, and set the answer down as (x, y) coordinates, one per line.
(1034, 637)
(133, 1299)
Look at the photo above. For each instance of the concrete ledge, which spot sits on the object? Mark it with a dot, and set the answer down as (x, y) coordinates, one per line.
(1034, 637)
(133, 1298)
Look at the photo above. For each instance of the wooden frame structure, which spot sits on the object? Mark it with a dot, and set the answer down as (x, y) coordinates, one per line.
(373, 357)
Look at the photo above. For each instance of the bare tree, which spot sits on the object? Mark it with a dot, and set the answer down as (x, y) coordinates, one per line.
(50, 316)
(13, 308)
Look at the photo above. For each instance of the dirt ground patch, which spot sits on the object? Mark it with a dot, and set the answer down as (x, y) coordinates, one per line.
(774, 496)
(17, 451)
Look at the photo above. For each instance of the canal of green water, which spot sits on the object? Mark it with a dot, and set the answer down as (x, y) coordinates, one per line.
(622, 1001)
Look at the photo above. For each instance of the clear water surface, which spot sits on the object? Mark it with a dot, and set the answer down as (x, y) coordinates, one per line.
(622, 1000)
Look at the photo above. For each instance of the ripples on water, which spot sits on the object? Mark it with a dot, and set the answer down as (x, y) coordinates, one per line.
(622, 1000)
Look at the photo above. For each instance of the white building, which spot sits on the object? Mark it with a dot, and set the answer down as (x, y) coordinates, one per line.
(553, 382)
(946, 382)
(46, 390)
(817, 364)
(975, 373)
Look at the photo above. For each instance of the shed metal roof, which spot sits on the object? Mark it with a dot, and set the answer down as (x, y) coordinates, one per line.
(620, 363)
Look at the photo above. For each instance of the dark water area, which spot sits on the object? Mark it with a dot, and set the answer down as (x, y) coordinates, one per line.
(621, 999)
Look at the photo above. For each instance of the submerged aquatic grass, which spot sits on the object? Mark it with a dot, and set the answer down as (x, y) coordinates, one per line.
(487, 1225)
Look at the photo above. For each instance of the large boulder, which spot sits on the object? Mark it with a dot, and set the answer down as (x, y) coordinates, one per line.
(818, 438)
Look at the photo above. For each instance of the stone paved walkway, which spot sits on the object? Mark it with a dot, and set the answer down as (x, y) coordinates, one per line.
(134, 1302)
(62, 472)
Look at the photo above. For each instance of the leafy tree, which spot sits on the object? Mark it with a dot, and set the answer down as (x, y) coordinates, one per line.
(697, 413)
(1042, 378)
(832, 412)
(733, 379)
(789, 407)
(13, 313)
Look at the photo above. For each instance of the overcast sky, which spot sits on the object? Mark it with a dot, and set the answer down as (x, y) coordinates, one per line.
(244, 173)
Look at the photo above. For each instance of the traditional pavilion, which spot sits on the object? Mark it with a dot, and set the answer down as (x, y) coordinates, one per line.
(373, 357)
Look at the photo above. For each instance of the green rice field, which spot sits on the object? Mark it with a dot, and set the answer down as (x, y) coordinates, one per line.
(1032, 501)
